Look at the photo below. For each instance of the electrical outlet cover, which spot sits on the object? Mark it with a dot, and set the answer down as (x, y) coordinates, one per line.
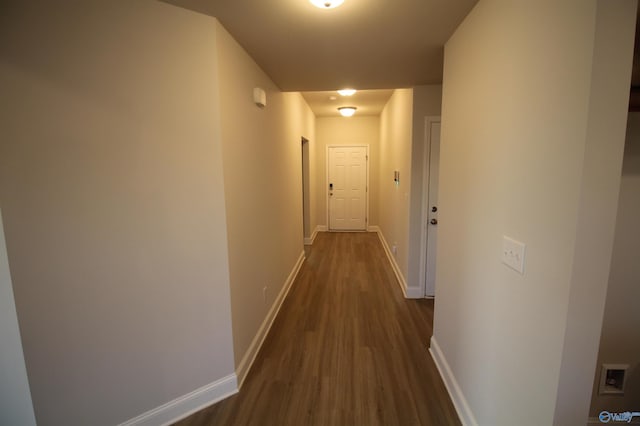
(513, 253)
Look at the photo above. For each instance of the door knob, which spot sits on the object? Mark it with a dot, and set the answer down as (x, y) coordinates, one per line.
(433, 221)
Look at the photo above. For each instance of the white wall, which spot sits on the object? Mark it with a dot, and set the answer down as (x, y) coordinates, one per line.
(620, 340)
(15, 397)
(358, 130)
(427, 101)
(395, 154)
(262, 160)
(112, 193)
(597, 205)
(532, 136)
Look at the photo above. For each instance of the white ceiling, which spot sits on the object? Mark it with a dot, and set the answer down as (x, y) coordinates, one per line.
(365, 44)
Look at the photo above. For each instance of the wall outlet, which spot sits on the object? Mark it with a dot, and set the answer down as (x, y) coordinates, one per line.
(394, 249)
(513, 254)
(264, 293)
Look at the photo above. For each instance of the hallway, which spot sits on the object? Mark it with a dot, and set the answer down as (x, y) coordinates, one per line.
(345, 349)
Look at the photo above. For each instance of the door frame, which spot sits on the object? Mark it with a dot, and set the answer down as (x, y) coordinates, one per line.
(326, 183)
(428, 121)
(306, 191)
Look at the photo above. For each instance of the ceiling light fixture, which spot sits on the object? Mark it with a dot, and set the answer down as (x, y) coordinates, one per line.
(347, 92)
(347, 111)
(326, 4)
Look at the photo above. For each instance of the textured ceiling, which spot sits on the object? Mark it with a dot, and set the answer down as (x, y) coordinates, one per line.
(366, 44)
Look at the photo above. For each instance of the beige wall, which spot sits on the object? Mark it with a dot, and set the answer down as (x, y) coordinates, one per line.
(364, 130)
(262, 155)
(527, 110)
(112, 193)
(620, 340)
(427, 101)
(309, 122)
(396, 123)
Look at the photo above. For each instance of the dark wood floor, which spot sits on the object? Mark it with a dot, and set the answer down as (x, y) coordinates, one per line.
(345, 349)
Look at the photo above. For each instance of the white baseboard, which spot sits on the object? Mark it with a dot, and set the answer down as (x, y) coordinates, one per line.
(188, 404)
(373, 228)
(250, 356)
(321, 228)
(457, 397)
(413, 293)
(409, 292)
(309, 241)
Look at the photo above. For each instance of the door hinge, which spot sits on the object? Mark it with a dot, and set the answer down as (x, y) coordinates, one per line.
(367, 157)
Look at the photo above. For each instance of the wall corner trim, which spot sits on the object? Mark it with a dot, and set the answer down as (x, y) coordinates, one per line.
(188, 404)
(250, 356)
(414, 293)
(409, 292)
(457, 397)
(309, 241)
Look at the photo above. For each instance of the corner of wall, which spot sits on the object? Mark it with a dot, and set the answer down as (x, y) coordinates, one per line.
(600, 185)
(460, 403)
(395, 155)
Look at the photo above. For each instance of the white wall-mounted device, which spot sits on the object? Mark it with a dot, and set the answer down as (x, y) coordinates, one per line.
(513, 253)
(259, 97)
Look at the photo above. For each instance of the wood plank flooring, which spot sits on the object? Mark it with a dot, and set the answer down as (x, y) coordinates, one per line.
(345, 349)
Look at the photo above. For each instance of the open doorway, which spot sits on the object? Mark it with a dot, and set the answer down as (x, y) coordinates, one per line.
(306, 193)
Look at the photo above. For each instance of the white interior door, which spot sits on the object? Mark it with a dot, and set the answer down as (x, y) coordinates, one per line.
(347, 189)
(432, 213)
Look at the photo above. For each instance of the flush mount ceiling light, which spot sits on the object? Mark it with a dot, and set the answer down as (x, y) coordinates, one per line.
(326, 4)
(347, 92)
(347, 111)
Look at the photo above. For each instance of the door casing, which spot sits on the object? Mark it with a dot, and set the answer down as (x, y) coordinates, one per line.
(428, 122)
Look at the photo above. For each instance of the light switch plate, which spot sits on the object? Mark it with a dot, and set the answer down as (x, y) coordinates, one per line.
(513, 253)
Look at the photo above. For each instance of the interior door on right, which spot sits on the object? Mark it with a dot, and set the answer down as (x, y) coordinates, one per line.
(432, 214)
